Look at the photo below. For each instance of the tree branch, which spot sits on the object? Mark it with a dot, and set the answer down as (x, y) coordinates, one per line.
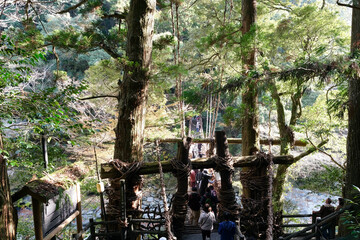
(3, 8)
(72, 7)
(205, 61)
(346, 5)
(115, 15)
(100, 96)
(323, 4)
(310, 150)
(327, 154)
(309, 70)
(109, 51)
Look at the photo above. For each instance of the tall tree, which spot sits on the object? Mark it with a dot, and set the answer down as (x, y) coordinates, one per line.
(353, 138)
(249, 126)
(250, 95)
(133, 89)
(8, 214)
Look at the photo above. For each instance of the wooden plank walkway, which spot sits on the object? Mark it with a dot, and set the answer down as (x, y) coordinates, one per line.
(194, 233)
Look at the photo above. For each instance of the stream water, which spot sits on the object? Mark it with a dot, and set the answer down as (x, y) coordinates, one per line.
(305, 201)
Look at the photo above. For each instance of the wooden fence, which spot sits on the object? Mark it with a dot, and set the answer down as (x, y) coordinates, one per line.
(314, 229)
(130, 229)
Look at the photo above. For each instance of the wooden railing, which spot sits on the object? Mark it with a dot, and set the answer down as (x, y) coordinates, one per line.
(130, 229)
(296, 225)
(316, 225)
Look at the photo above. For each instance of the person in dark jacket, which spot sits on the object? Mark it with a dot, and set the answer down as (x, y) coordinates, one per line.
(227, 228)
(194, 204)
(208, 198)
(328, 231)
(204, 182)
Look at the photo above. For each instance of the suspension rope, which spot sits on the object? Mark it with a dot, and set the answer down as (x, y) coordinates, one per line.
(163, 193)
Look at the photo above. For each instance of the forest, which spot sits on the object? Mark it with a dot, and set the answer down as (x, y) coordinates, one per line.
(264, 94)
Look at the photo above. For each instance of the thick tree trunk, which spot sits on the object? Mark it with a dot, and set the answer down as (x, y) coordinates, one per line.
(133, 90)
(8, 216)
(253, 194)
(249, 97)
(132, 100)
(249, 126)
(353, 138)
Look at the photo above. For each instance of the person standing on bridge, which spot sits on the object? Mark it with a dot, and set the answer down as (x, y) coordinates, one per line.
(328, 231)
(228, 230)
(206, 222)
(204, 182)
(192, 178)
(194, 204)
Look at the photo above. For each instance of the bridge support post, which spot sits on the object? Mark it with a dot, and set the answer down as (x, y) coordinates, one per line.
(255, 211)
(224, 165)
(181, 166)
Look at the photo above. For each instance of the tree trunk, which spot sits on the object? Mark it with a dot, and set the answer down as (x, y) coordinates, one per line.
(279, 181)
(8, 215)
(249, 97)
(249, 126)
(132, 98)
(252, 196)
(133, 90)
(353, 138)
(286, 138)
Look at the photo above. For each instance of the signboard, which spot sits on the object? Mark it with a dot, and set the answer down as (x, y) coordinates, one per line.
(58, 209)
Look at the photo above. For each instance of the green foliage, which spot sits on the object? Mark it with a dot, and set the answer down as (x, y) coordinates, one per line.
(323, 126)
(30, 111)
(15, 62)
(162, 41)
(103, 77)
(71, 38)
(351, 218)
(231, 116)
(27, 37)
(194, 94)
(88, 185)
(328, 180)
(337, 103)
(304, 34)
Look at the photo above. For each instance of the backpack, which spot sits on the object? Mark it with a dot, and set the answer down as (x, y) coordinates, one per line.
(209, 201)
(194, 201)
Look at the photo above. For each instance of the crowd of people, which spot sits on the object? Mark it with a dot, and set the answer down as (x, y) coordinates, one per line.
(203, 194)
(203, 202)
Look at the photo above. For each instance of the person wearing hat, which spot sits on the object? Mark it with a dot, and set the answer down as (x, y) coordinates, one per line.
(204, 182)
